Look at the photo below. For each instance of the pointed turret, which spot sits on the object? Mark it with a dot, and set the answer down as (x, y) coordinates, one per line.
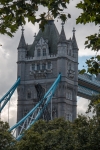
(62, 38)
(74, 40)
(22, 43)
(62, 43)
(22, 47)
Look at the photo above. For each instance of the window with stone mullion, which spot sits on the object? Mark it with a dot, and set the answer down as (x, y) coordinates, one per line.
(44, 52)
(43, 66)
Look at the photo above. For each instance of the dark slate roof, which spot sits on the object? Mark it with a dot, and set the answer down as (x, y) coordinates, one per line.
(51, 34)
(22, 43)
(62, 38)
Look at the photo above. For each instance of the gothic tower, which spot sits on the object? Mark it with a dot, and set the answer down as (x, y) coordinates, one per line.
(41, 62)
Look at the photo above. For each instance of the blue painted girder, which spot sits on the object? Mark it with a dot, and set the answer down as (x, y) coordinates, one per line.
(7, 96)
(47, 97)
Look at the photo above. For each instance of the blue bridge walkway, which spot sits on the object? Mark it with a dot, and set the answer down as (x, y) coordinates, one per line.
(88, 85)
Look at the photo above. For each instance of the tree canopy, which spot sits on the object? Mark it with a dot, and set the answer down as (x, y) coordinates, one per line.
(13, 13)
(91, 14)
(82, 134)
(6, 139)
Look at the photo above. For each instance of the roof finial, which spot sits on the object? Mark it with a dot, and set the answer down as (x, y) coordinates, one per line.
(22, 29)
(62, 24)
(49, 16)
(22, 43)
(73, 30)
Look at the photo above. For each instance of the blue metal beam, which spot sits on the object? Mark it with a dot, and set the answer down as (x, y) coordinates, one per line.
(46, 99)
(7, 96)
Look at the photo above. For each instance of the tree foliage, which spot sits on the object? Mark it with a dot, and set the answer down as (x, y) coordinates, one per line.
(6, 138)
(82, 134)
(91, 14)
(13, 13)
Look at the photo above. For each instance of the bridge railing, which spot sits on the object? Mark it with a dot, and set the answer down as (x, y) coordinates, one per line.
(85, 78)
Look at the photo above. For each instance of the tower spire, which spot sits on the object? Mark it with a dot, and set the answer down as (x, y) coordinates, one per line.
(73, 31)
(22, 30)
(62, 38)
(22, 43)
(74, 39)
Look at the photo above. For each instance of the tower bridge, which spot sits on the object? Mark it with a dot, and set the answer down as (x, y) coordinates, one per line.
(51, 59)
(52, 53)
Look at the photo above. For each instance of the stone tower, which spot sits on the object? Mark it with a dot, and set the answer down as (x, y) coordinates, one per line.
(41, 62)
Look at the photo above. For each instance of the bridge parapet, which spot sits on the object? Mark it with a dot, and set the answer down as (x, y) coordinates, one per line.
(85, 92)
(89, 78)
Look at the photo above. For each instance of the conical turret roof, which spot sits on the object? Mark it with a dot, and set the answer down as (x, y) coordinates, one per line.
(62, 38)
(22, 43)
(74, 40)
(51, 34)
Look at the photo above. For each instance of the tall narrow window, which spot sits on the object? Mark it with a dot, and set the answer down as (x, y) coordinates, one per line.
(69, 66)
(44, 52)
(69, 95)
(38, 66)
(70, 52)
(38, 53)
(25, 111)
(49, 65)
(43, 66)
(69, 117)
(29, 94)
(33, 66)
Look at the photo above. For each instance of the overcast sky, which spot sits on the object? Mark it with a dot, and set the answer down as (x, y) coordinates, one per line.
(8, 56)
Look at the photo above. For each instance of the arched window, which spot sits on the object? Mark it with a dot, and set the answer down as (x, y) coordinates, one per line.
(43, 66)
(38, 53)
(44, 52)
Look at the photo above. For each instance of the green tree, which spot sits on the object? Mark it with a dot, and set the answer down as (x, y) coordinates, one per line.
(43, 135)
(6, 139)
(13, 13)
(91, 14)
(58, 134)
